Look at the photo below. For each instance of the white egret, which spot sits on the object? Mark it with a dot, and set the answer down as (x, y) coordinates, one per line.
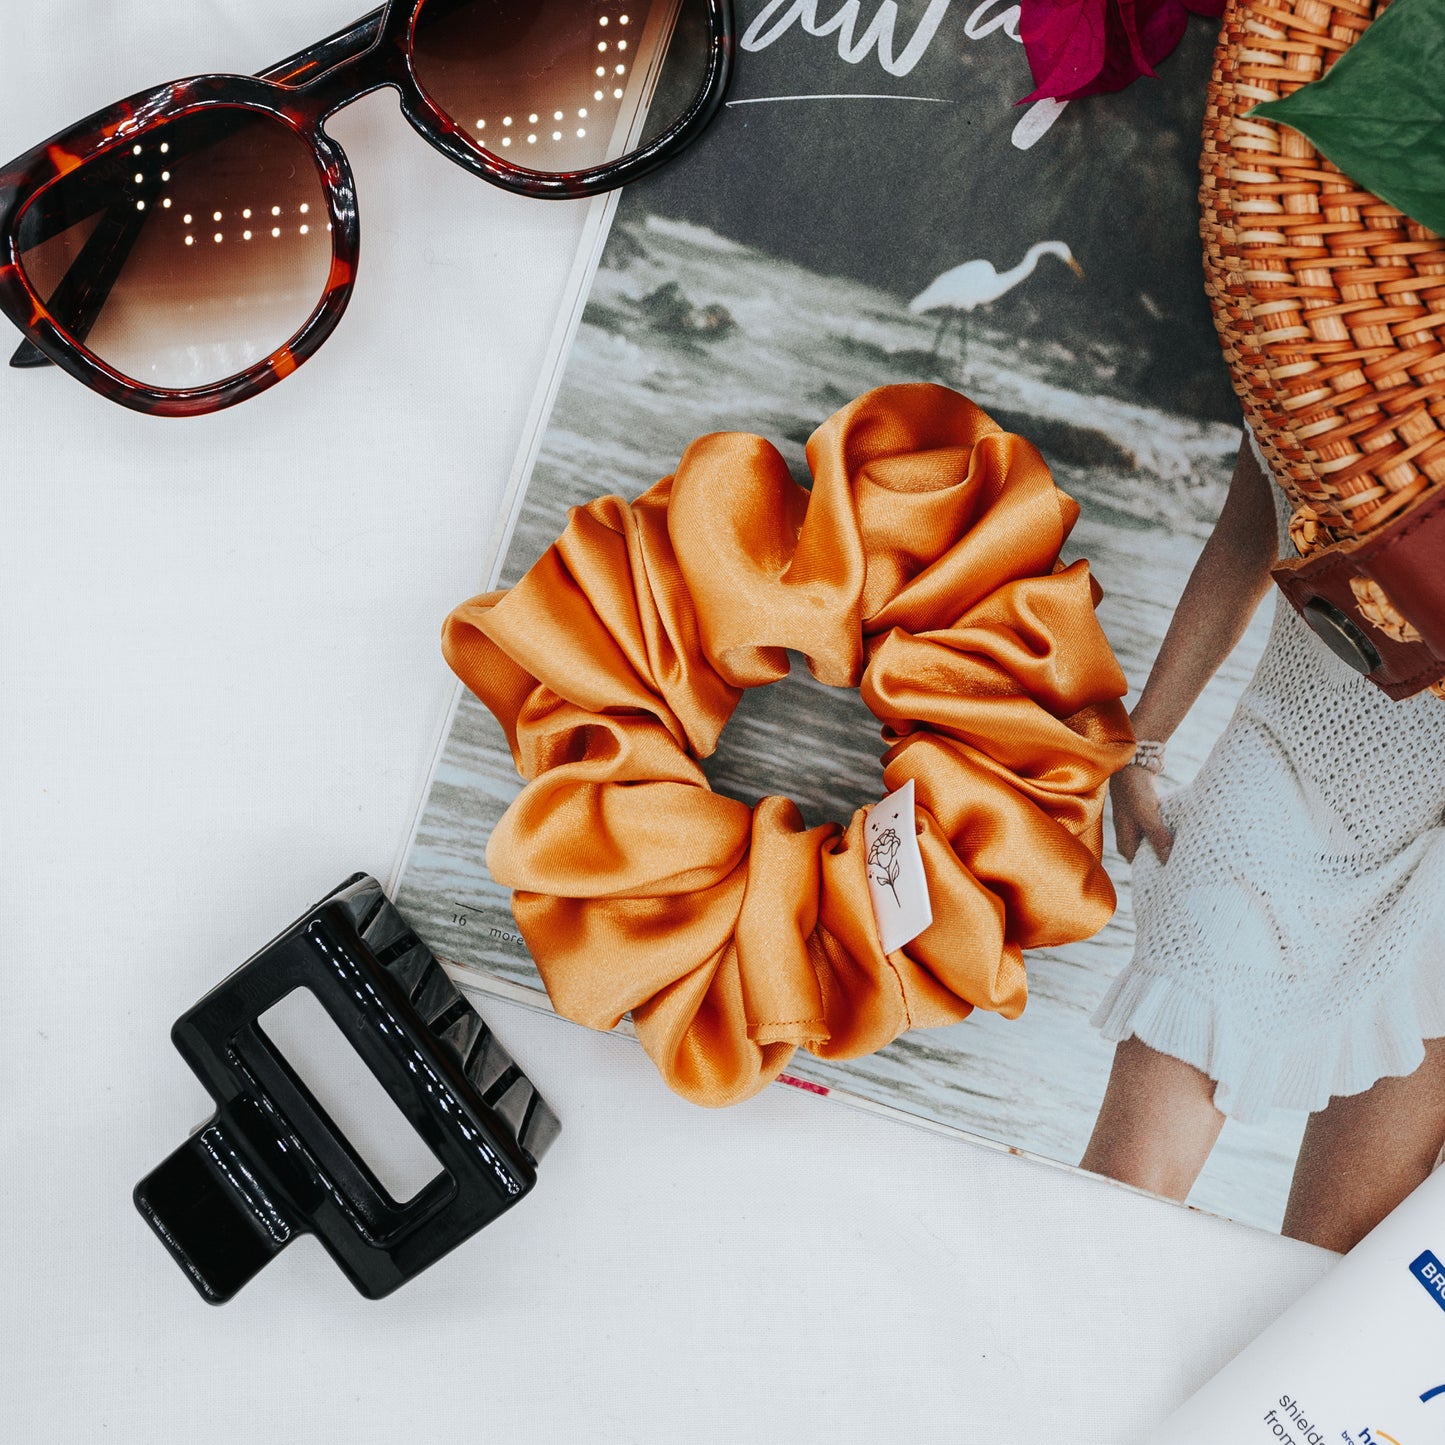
(959, 291)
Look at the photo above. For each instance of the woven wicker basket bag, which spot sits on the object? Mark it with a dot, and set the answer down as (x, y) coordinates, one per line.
(1331, 308)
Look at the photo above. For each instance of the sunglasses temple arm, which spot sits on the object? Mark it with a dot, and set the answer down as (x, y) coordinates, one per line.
(28, 354)
(77, 301)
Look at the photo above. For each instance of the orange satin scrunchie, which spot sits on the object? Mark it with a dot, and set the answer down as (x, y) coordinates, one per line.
(923, 568)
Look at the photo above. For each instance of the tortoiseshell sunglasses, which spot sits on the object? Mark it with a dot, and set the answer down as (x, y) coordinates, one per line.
(191, 246)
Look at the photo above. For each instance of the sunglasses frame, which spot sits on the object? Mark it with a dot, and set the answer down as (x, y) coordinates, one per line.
(302, 92)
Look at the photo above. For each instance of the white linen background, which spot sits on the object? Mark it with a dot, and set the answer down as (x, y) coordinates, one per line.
(220, 692)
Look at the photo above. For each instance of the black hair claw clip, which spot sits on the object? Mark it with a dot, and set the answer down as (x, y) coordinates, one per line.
(271, 1164)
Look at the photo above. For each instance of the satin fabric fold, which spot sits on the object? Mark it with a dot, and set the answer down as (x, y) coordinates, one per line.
(922, 568)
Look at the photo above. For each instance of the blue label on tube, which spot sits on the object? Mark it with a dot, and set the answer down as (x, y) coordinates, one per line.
(1431, 1273)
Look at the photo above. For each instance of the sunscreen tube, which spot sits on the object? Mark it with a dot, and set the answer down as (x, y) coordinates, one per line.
(1359, 1360)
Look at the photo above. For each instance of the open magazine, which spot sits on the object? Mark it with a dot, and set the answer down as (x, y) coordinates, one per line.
(764, 280)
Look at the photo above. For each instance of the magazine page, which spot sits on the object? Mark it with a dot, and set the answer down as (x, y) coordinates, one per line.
(796, 258)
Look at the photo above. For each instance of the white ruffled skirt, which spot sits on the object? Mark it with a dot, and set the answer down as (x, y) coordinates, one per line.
(1293, 947)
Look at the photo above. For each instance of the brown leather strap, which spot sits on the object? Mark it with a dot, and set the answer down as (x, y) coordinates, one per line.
(1407, 559)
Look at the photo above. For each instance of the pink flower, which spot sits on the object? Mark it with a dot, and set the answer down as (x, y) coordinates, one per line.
(1082, 47)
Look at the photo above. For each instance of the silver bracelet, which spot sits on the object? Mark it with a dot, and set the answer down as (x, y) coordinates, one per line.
(1149, 755)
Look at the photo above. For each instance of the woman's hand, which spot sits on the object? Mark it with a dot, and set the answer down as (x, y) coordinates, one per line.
(1136, 814)
(1225, 588)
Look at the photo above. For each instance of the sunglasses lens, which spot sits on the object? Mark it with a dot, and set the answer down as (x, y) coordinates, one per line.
(561, 85)
(187, 256)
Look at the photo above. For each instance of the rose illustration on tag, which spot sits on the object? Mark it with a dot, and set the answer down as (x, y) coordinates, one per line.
(893, 866)
(883, 856)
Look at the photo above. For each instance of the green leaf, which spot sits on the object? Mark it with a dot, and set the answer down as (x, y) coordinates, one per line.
(1379, 114)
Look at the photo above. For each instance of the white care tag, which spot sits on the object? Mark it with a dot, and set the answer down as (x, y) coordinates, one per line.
(896, 881)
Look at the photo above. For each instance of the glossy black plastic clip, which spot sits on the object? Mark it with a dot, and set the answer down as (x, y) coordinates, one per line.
(270, 1164)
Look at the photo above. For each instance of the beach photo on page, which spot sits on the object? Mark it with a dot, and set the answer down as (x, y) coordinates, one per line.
(873, 207)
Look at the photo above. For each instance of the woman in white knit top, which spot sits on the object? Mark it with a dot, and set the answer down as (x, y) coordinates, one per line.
(1289, 910)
